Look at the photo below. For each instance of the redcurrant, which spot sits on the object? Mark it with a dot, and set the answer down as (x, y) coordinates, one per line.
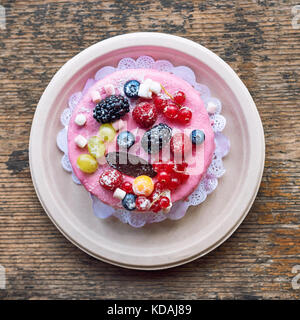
(184, 115)
(164, 202)
(163, 177)
(171, 110)
(179, 97)
(127, 187)
(155, 206)
(174, 183)
(160, 103)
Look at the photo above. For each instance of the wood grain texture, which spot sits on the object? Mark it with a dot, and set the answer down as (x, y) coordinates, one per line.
(257, 39)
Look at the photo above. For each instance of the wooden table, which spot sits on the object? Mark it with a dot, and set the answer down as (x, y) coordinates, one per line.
(257, 39)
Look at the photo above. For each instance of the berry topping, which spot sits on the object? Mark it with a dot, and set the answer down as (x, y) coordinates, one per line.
(107, 132)
(142, 203)
(131, 88)
(184, 115)
(160, 102)
(129, 202)
(184, 176)
(127, 187)
(144, 114)
(96, 147)
(125, 140)
(158, 187)
(111, 109)
(164, 166)
(87, 163)
(197, 136)
(143, 185)
(174, 183)
(164, 202)
(164, 177)
(180, 167)
(155, 206)
(180, 144)
(111, 179)
(171, 110)
(155, 138)
(179, 97)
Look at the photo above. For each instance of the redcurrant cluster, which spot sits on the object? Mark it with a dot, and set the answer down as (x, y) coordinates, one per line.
(172, 107)
(170, 174)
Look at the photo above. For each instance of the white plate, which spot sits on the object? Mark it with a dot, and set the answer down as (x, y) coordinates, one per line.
(169, 243)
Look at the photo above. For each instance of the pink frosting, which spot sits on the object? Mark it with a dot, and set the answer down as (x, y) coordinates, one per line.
(172, 83)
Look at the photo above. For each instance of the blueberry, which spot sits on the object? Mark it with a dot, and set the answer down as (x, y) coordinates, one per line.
(125, 140)
(197, 136)
(129, 201)
(131, 88)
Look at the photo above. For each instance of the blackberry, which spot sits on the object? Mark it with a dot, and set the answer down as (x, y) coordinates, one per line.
(111, 109)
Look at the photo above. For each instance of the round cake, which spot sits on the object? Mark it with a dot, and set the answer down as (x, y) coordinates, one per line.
(140, 139)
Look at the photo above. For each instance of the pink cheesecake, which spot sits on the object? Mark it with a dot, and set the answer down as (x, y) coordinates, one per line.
(83, 125)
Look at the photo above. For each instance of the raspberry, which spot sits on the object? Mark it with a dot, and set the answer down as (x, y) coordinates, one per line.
(142, 203)
(180, 144)
(171, 110)
(179, 97)
(144, 114)
(111, 109)
(110, 179)
(185, 115)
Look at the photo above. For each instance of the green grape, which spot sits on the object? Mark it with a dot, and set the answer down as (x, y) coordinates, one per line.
(96, 147)
(106, 132)
(87, 163)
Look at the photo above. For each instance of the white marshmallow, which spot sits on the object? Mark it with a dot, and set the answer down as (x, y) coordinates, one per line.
(148, 82)
(80, 119)
(144, 91)
(80, 141)
(109, 89)
(119, 194)
(96, 96)
(155, 87)
(211, 107)
(118, 125)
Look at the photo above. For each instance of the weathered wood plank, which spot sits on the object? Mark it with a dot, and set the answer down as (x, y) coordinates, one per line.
(257, 39)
